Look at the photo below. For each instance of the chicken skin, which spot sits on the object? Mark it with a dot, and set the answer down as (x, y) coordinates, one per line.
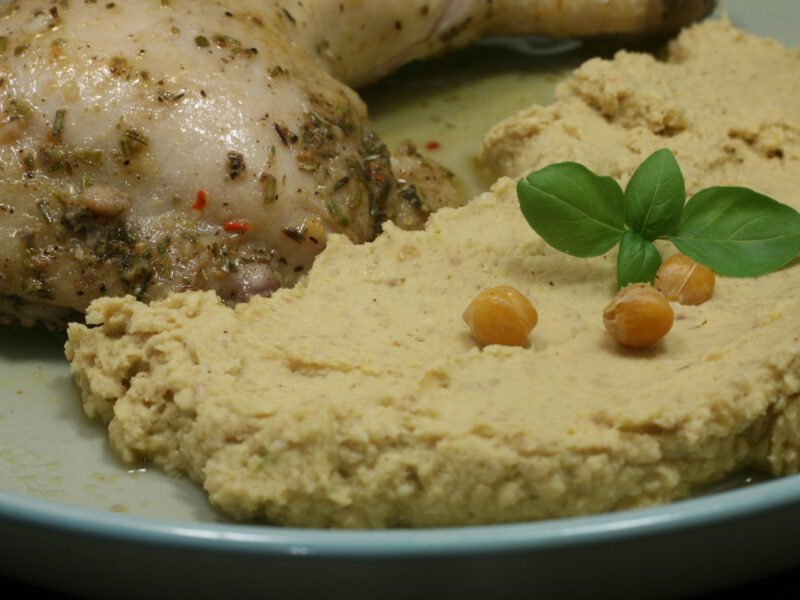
(359, 42)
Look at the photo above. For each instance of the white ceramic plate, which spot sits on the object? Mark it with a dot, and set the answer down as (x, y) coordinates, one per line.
(74, 519)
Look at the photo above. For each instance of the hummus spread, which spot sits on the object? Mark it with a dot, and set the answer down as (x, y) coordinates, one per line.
(360, 399)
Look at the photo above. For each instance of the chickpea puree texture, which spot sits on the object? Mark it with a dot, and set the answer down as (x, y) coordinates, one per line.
(359, 398)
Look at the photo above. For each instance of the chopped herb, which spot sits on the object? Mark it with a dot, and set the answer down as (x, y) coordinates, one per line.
(317, 119)
(306, 163)
(164, 245)
(58, 124)
(225, 41)
(22, 109)
(336, 211)
(294, 234)
(137, 137)
(270, 185)
(90, 157)
(201, 41)
(236, 165)
(333, 207)
(289, 16)
(262, 462)
(277, 71)
(132, 141)
(145, 277)
(166, 96)
(53, 158)
(223, 261)
(410, 193)
(46, 214)
(282, 133)
(118, 65)
(29, 163)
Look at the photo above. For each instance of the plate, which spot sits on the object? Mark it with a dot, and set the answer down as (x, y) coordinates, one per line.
(664, 552)
(73, 519)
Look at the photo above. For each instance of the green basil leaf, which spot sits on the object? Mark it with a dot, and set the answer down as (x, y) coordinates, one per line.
(655, 195)
(638, 260)
(574, 210)
(736, 231)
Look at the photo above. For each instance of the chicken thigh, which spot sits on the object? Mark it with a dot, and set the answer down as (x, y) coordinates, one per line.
(148, 146)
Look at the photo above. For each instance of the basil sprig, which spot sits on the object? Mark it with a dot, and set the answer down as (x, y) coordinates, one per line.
(732, 230)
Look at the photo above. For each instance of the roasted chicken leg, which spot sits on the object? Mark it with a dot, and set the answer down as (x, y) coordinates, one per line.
(148, 146)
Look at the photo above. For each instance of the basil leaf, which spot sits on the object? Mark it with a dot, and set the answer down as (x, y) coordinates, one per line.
(574, 210)
(638, 260)
(736, 231)
(655, 195)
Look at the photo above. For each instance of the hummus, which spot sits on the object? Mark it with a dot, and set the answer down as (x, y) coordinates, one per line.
(724, 101)
(360, 399)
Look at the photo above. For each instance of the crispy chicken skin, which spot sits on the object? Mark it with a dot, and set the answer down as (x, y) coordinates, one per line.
(149, 146)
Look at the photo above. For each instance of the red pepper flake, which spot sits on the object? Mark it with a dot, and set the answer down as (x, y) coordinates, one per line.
(237, 226)
(433, 145)
(201, 201)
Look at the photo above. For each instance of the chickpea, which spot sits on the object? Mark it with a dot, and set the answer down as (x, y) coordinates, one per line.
(638, 316)
(683, 280)
(501, 315)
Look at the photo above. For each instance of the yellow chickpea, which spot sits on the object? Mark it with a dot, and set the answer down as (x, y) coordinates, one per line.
(638, 316)
(683, 280)
(501, 315)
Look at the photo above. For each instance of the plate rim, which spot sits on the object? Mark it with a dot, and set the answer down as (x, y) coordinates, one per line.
(532, 537)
